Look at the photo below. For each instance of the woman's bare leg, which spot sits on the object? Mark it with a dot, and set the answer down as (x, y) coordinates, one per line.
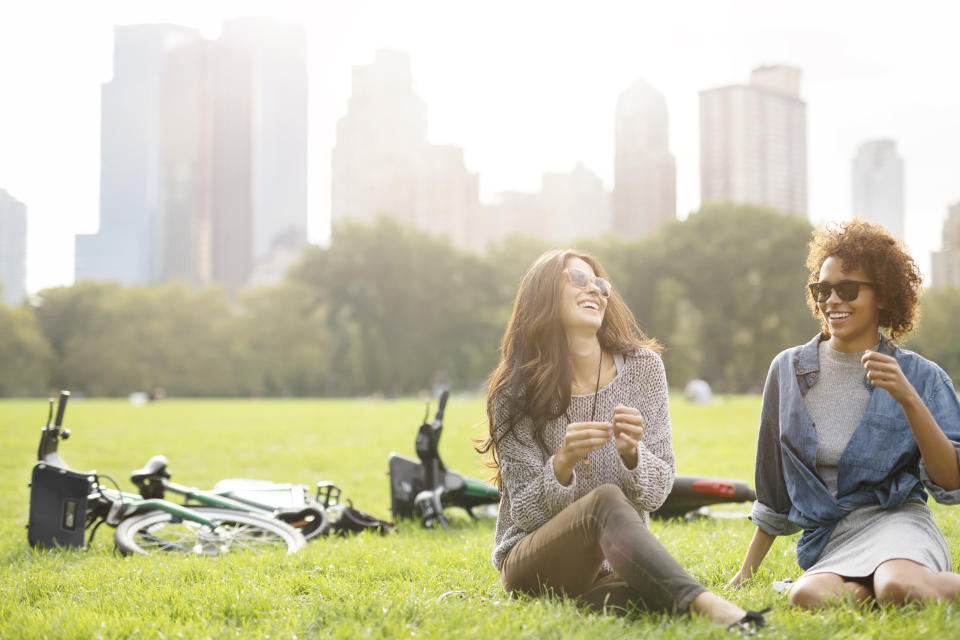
(900, 581)
(819, 589)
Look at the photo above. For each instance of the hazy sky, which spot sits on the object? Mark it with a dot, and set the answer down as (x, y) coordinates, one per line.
(523, 87)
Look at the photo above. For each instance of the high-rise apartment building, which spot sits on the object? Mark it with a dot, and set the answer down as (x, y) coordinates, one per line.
(645, 172)
(877, 181)
(946, 262)
(384, 165)
(278, 136)
(13, 249)
(753, 145)
(127, 246)
(204, 158)
(206, 162)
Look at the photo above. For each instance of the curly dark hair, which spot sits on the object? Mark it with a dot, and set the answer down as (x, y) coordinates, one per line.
(863, 245)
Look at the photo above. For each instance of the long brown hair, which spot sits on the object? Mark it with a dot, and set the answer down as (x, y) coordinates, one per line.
(534, 376)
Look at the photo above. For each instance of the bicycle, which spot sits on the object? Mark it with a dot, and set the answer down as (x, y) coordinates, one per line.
(426, 488)
(65, 503)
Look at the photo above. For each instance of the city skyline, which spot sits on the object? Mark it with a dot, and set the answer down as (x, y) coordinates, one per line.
(518, 113)
(203, 156)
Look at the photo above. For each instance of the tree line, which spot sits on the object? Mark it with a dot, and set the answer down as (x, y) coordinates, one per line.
(391, 310)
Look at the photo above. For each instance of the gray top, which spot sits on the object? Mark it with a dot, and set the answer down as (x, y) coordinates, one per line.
(532, 495)
(836, 404)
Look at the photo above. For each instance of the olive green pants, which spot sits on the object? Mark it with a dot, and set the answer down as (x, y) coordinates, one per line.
(565, 555)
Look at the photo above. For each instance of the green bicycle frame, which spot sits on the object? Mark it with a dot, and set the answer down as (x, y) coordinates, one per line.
(134, 502)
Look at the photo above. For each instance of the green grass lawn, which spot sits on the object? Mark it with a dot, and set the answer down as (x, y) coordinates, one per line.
(366, 586)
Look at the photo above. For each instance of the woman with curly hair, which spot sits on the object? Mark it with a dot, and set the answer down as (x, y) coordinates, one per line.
(580, 436)
(854, 432)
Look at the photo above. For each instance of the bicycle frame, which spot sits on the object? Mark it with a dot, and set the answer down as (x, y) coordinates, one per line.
(154, 481)
(310, 518)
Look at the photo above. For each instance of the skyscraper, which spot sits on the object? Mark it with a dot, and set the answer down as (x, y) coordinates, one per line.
(878, 185)
(645, 172)
(127, 246)
(379, 143)
(13, 249)
(946, 262)
(753, 144)
(278, 138)
(206, 164)
(204, 158)
(384, 165)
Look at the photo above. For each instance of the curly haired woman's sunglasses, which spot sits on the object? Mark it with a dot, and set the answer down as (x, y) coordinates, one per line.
(580, 278)
(847, 290)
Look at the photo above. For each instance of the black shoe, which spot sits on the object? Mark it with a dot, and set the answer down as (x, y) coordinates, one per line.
(749, 623)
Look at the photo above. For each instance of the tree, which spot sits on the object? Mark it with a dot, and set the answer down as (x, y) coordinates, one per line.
(742, 270)
(403, 307)
(285, 341)
(391, 309)
(111, 340)
(25, 355)
(936, 337)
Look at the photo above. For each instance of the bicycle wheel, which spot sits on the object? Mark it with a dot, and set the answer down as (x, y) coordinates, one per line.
(158, 531)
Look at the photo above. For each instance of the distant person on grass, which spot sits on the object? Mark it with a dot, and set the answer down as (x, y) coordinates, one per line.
(580, 436)
(854, 431)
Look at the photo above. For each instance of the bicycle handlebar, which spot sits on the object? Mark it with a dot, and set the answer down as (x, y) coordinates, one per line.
(438, 419)
(61, 407)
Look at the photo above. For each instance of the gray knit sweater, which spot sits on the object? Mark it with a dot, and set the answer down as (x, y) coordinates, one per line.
(532, 495)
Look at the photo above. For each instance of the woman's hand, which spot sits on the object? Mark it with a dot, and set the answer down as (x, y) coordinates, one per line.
(938, 453)
(737, 580)
(884, 372)
(580, 439)
(627, 431)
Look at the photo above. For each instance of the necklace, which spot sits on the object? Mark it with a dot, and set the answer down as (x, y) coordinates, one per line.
(593, 413)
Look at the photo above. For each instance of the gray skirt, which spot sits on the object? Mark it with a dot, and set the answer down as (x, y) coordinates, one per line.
(871, 535)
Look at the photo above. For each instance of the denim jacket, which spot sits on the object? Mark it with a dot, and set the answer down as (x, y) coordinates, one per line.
(880, 465)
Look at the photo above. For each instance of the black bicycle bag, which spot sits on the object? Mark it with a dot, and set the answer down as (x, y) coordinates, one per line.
(58, 506)
(350, 520)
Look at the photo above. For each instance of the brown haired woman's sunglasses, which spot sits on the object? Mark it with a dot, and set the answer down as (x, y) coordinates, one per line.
(580, 278)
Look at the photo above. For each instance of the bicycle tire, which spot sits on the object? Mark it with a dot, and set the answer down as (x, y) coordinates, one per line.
(158, 531)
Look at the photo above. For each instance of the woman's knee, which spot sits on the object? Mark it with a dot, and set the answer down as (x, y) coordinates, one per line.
(898, 589)
(806, 596)
(901, 581)
(813, 592)
(606, 495)
(892, 591)
(606, 508)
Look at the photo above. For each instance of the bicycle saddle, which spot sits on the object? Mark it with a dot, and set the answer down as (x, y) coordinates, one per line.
(150, 478)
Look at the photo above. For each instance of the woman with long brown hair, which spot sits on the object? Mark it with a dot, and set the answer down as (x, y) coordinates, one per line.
(580, 436)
